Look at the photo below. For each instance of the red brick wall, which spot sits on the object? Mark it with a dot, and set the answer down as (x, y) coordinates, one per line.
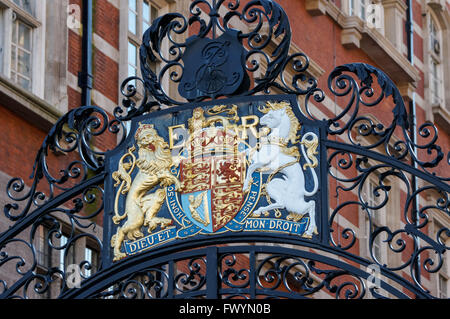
(106, 75)
(19, 144)
(106, 22)
(105, 71)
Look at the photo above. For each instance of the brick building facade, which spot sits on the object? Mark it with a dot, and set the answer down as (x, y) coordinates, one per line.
(41, 47)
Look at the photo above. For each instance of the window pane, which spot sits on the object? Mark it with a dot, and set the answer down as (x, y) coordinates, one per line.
(132, 21)
(14, 33)
(40, 242)
(435, 83)
(21, 47)
(63, 242)
(88, 258)
(377, 248)
(131, 70)
(24, 36)
(154, 14)
(24, 63)
(132, 54)
(94, 259)
(442, 287)
(27, 5)
(13, 58)
(433, 33)
(132, 5)
(363, 9)
(149, 14)
(145, 26)
(352, 7)
(132, 61)
(13, 76)
(132, 16)
(146, 11)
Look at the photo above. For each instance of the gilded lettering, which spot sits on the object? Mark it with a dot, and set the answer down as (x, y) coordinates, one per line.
(249, 126)
(175, 132)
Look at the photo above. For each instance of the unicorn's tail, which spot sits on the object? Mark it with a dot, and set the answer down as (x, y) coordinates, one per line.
(310, 157)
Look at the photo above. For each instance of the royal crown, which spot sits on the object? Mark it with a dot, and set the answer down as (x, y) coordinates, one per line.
(143, 127)
(212, 135)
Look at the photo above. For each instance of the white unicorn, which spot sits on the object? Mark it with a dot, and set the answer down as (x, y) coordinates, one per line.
(273, 156)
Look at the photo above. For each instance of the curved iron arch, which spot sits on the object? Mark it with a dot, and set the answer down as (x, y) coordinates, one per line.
(293, 270)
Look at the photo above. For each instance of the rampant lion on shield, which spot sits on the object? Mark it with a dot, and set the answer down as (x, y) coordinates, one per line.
(142, 205)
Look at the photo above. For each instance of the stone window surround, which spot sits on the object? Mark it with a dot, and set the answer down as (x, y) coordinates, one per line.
(7, 8)
(46, 103)
(377, 218)
(389, 214)
(125, 36)
(439, 113)
(356, 34)
(438, 219)
(357, 8)
(136, 38)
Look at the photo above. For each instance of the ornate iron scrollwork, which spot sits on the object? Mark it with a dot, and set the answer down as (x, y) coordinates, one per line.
(362, 163)
(228, 58)
(73, 134)
(73, 193)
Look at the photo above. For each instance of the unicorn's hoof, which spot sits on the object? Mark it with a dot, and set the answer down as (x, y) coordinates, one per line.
(256, 214)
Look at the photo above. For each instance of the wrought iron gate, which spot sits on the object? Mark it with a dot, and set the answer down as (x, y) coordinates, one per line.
(365, 166)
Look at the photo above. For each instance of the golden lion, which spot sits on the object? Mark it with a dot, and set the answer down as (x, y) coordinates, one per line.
(141, 207)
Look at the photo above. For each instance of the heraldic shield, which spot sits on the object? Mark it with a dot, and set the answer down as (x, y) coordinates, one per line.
(212, 189)
(220, 168)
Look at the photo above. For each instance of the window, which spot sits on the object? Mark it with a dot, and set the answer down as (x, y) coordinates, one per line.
(43, 256)
(141, 14)
(435, 83)
(132, 60)
(442, 287)
(132, 16)
(358, 8)
(374, 197)
(66, 253)
(369, 11)
(27, 5)
(22, 43)
(63, 242)
(434, 38)
(137, 16)
(377, 242)
(92, 257)
(443, 273)
(149, 13)
(21, 51)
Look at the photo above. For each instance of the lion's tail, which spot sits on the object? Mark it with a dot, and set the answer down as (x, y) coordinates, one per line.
(122, 176)
(113, 240)
(117, 217)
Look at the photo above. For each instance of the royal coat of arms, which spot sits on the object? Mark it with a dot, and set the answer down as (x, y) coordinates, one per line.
(213, 170)
(224, 169)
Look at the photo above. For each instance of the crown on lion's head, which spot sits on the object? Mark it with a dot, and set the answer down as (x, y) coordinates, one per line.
(146, 135)
(144, 128)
